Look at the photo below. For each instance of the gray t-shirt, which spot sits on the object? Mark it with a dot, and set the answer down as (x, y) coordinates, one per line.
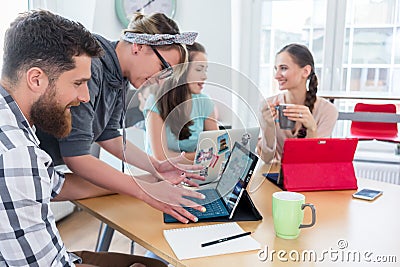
(100, 118)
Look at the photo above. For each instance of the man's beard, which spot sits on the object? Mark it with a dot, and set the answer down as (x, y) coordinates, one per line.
(49, 116)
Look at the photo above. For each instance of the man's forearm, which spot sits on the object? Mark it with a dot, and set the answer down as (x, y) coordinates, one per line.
(133, 155)
(103, 175)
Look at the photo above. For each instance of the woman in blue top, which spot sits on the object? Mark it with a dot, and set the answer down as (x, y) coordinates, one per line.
(175, 117)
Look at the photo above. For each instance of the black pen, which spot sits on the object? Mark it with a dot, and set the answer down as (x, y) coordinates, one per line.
(224, 239)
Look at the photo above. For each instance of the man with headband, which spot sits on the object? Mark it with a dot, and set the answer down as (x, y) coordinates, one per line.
(146, 53)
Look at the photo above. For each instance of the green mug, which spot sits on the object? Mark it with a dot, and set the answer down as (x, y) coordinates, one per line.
(288, 214)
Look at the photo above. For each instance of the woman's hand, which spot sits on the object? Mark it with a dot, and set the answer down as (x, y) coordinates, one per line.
(269, 113)
(303, 115)
(176, 173)
(266, 145)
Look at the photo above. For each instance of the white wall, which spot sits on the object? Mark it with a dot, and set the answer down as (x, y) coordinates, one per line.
(105, 21)
(212, 20)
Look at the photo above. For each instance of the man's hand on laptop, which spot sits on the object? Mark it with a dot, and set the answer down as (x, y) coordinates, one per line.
(178, 173)
(169, 198)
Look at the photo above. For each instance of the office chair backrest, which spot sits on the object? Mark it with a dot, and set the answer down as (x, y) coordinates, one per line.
(374, 130)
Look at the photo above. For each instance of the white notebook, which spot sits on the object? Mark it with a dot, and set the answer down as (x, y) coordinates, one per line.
(186, 242)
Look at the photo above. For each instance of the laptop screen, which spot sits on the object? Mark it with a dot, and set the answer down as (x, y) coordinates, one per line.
(213, 149)
(236, 175)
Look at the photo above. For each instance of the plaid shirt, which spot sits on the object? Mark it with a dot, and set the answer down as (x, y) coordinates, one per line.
(28, 233)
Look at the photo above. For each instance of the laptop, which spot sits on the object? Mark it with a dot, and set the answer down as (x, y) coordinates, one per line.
(223, 199)
(313, 164)
(214, 148)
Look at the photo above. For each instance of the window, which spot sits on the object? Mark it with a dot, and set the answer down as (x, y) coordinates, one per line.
(355, 43)
(282, 23)
(7, 14)
(370, 45)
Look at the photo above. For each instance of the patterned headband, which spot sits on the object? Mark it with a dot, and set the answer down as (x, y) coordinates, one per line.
(160, 39)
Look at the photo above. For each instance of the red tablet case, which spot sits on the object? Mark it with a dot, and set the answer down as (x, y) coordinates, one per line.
(312, 164)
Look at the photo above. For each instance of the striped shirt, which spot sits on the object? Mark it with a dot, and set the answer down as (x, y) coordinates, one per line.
(28, 181)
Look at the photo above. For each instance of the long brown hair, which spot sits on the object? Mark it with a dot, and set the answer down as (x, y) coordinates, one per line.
(173, 100)
(303, 57)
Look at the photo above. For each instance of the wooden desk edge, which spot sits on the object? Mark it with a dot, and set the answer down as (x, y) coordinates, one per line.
(136, 239)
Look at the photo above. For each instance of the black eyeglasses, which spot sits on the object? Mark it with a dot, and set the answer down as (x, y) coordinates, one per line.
(167, 70)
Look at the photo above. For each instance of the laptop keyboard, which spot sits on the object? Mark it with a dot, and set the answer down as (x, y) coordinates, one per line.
(213, 209)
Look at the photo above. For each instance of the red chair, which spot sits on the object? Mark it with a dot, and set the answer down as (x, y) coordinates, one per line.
(381, 131)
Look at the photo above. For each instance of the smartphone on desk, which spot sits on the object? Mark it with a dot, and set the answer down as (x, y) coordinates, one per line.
(367, 194)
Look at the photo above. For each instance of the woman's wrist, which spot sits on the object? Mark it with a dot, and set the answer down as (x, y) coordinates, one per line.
(312, 132)
(155, 163)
